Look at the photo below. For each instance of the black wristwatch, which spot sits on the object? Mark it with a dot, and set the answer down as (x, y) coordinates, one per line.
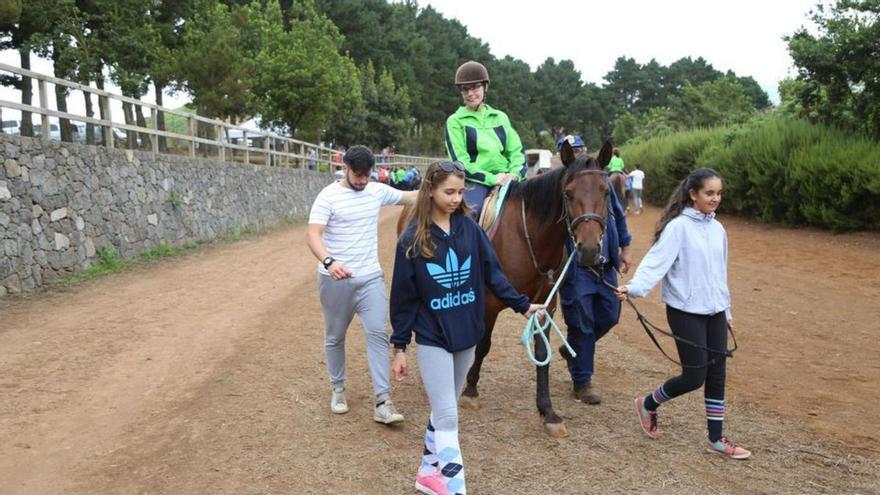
(327, 262)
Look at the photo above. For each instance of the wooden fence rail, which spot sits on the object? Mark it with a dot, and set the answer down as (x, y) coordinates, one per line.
(273, 149)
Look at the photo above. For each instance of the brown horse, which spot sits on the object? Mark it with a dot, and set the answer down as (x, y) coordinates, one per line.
(618, 181)
(539, 217)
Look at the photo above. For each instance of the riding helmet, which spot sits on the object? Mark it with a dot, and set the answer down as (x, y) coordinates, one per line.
(471, 72)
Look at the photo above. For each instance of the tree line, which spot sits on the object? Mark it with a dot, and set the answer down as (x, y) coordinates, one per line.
(838, 80)
(362, 71)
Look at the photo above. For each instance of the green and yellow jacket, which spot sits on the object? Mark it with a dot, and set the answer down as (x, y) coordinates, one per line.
(485, 143)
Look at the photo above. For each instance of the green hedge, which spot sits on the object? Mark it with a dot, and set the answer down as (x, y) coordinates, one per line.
(775, 169)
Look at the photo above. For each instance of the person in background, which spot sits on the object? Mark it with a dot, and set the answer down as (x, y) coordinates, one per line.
(618, 177)
(638, 181)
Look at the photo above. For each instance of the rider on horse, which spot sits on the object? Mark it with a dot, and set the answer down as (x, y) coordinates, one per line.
(618, 177)
(615, 166)
(482, 138)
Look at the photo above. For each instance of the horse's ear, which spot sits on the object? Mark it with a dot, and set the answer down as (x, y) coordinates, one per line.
(604, 157)
(566, 153)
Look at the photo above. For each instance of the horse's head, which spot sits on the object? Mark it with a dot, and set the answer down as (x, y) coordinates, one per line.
(585, 187)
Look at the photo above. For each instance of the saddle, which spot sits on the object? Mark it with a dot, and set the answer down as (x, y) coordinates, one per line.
(492, 206)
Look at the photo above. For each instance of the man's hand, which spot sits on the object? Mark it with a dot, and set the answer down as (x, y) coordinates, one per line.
(620, 292)
(398, 367)
(338, 271)
(625, 259)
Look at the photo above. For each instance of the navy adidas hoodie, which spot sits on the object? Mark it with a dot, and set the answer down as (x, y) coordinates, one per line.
(441, 299)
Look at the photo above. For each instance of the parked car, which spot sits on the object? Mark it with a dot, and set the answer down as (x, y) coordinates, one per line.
(79, 134)
(54, 131)
(11, 127)
(538, 161)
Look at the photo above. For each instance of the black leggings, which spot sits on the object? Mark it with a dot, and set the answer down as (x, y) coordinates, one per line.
(709, 331)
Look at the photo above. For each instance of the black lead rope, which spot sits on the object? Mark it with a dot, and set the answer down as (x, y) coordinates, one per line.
(648, 326)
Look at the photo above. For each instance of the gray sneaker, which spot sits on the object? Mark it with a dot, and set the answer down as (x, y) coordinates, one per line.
(386, 413)
(338, 403)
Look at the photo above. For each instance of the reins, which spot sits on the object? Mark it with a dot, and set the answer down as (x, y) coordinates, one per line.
(548, 273)
(534, 326)
(648, 326)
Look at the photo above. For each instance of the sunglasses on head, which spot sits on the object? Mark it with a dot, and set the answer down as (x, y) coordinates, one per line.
(450, 167)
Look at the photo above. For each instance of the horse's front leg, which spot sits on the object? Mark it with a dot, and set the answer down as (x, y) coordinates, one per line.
(469, 396)
(553, 423)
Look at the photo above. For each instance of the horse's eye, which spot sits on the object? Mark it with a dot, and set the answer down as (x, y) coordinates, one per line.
(568, 195)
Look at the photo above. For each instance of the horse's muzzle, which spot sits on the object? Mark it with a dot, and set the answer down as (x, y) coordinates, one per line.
(589, 256)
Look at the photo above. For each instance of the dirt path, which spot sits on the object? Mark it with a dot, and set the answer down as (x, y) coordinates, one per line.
(206, 375)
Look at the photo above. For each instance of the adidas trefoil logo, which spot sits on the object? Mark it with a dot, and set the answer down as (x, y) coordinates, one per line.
(453, 275)
(450, 277)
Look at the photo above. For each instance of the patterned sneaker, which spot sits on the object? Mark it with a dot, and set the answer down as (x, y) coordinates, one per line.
(727, 448)
(386, 413)
(433, 484)
(338, 403)
(648, 419)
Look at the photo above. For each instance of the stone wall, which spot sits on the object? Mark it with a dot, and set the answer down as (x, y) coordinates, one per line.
(61, 202)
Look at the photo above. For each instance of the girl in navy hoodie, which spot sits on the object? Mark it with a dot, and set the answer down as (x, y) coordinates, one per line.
(443, 262)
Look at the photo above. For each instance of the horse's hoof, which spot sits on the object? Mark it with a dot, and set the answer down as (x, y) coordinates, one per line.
(471, 403)
(556, 430)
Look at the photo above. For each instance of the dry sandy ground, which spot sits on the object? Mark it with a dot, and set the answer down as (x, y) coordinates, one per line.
(205, 374)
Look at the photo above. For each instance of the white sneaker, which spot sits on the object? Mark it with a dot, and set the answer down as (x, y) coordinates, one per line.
(386, 413)
(338, 403)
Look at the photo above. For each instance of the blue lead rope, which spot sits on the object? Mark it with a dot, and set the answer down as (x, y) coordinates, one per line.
(535, 327)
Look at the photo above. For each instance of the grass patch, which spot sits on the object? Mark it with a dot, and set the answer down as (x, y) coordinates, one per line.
(166, 251)
(233, 234)
(109, 260)
(175, 200)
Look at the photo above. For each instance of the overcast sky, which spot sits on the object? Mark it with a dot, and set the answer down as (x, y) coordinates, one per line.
(744, 36)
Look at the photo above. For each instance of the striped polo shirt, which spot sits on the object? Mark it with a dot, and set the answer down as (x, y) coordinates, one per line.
(350, 219)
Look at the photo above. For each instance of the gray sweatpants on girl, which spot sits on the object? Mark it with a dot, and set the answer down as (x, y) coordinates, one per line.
(443, 375)
(340, 300)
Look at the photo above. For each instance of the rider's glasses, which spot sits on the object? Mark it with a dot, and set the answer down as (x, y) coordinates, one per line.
(450, 167)
(470, 89)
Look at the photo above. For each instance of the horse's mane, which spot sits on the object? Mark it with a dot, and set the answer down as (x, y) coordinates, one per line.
(543, 194)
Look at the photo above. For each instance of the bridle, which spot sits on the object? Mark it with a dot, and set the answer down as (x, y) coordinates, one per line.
(570, 224)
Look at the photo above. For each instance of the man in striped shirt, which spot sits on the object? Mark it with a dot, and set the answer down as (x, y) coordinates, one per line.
(343, 235)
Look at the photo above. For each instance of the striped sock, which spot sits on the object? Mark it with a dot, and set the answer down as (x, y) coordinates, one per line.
(655, 398)
(429, 454)
(715, 418)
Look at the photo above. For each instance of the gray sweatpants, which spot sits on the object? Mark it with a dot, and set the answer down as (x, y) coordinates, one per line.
(340, 300)
(443, 375)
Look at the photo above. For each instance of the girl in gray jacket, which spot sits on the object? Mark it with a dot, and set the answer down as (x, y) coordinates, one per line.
(690, 256)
